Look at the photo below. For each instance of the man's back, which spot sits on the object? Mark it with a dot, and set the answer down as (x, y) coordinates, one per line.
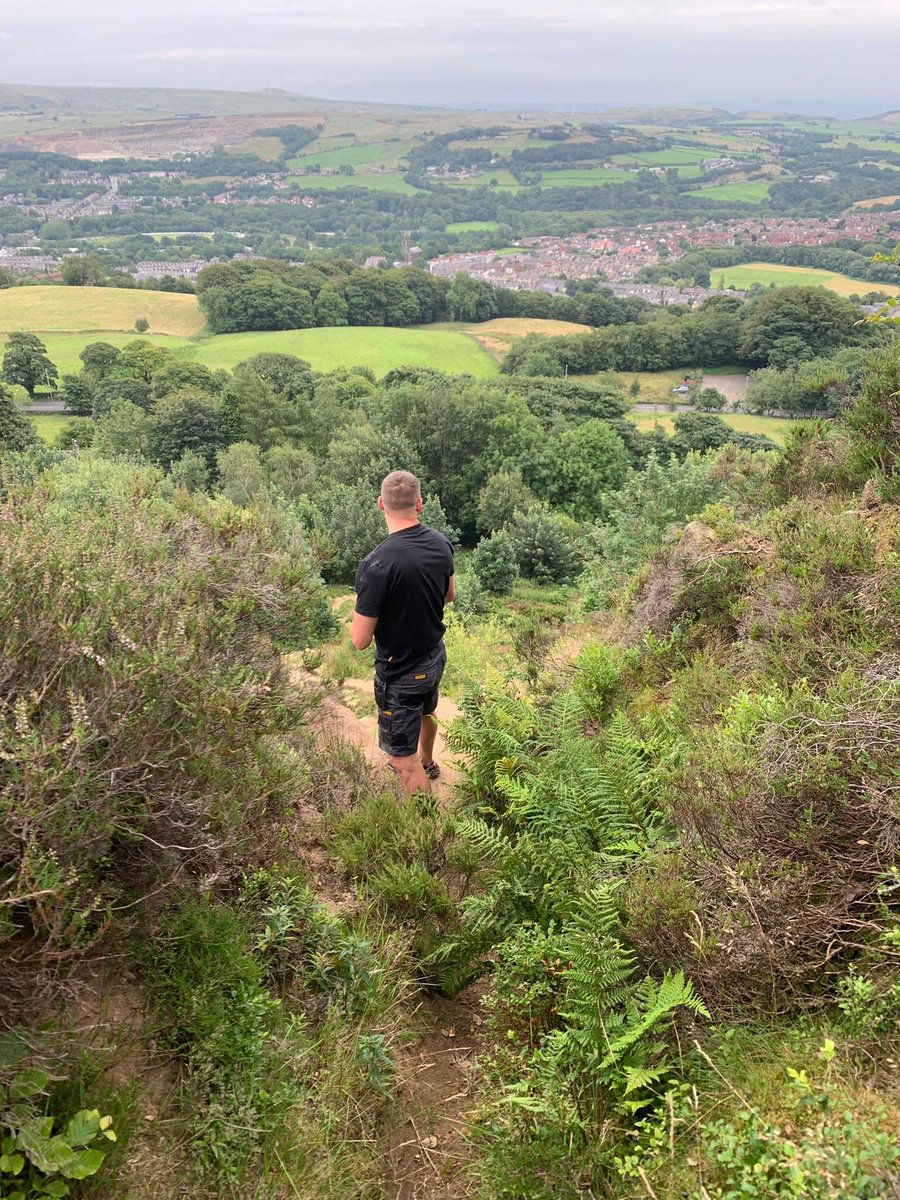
(404, 582)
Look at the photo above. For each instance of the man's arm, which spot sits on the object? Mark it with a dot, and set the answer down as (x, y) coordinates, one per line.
(451, 590)
(362, 630)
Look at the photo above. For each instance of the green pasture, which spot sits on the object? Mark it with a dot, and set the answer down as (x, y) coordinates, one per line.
(383, 181)
(48, 425)
(675, 156)
(584, 177)
(360, 154)
(768, 273)
(471, 227)
(379, 348)
(750, 192)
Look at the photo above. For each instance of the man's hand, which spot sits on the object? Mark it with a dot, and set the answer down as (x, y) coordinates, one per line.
(451, 590)
(362, 630)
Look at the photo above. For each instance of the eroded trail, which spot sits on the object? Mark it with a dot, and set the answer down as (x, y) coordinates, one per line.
(425, 1147)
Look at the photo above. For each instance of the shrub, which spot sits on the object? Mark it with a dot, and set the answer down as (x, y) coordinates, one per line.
(495, 564)
(141, 682)
(542, 547)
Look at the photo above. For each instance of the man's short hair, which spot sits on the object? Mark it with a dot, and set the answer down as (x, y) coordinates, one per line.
(400, 491)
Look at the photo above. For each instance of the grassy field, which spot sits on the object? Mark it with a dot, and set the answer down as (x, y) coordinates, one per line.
(358, 154)
(384, 181)
(768, 273)
(505, 180)
(471, 227)
(750, 192)
(327, 349)
(772, 427)
(269, 149)
(59, 308)
(584, 177)
(48, 425)
(656, 386)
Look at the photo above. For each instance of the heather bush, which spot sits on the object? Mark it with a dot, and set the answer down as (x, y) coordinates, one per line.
(139, 679)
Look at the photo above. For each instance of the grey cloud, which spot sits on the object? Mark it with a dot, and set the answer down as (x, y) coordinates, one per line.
(573, 52)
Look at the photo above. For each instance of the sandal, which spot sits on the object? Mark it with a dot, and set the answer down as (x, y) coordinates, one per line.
(431, 769)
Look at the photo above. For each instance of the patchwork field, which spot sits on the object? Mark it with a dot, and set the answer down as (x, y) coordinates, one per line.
(768, 273)
(61, 308)
(748, 192)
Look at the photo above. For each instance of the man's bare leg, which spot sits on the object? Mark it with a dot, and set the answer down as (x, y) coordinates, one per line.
(427, 735)
(409, 770)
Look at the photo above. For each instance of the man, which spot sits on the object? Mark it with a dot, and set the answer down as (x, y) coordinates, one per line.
(401, 590)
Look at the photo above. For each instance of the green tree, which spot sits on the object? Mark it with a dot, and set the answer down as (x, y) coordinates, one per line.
(99, 359)
(291, 377)
(504, 494)
(25, 362)
(291, 470)
(331, 307)
(242, 478)
(141, 325)
(174, 375)
(815, 319)
(16, 431)
(190, 472)
(141, 359)
(77, 394)
(470, 299)
(710, 399)
(83, 270)
(77, 432)
(135, 391)
(581, 465)
(254, 412)
(123, 431)
(353, 526)
(187, 420)
(540, 363)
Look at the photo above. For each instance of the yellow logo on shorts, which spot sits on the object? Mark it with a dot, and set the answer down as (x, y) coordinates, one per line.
(388, 712)
(421, 677)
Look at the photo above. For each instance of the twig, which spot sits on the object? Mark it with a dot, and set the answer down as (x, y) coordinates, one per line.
(286, 1174)
(422, 1145)
(730, 1086)
(646, 1182)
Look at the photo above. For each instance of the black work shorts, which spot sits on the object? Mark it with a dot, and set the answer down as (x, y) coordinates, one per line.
(405, 700)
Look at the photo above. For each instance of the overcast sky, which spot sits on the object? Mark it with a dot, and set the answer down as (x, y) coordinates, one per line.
(813, 54)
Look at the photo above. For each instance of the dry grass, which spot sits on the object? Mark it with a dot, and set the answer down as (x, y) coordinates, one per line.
(77, 309)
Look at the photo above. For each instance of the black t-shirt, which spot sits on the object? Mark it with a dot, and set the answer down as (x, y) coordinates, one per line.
(403, 582)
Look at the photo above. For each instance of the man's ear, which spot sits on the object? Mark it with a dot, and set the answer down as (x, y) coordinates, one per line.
(419, 504)
(381, 503)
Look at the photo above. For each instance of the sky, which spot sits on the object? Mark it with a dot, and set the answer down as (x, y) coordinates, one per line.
(808, 55)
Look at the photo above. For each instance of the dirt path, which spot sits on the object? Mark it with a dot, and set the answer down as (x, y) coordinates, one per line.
(426, 1153)
(425, 1149)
